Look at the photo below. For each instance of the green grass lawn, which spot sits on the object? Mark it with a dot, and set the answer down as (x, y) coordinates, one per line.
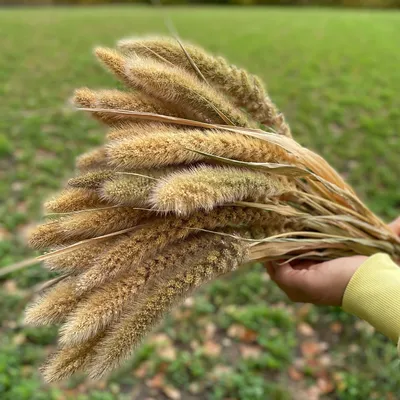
(335, 75)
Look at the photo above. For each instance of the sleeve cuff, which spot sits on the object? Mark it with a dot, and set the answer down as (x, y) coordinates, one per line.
(373, 294)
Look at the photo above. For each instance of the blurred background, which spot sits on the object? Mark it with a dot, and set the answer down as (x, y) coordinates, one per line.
(334, 71)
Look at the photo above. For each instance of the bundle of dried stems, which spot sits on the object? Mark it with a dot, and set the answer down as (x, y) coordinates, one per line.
(198, 160)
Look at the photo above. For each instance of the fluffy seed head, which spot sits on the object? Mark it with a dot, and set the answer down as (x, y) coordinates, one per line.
(128, 190)
(140, 129)
(91, 180)
(159, 299)
(117, 100)
(113, 61)
(68, 360)
(168, 147)
(246, 90)
(80, 259)
(93, 159)
(85, 225)
(75, 199)
(175, 86)
(146, 241)
(103, 306)
(54, 305)
(206, 187)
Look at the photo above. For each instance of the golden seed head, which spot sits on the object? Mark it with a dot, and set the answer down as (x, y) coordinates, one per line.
(170, 147)
(93, 159)
(175, 86)
(75, 199)
(91, 179)
(245, 90)
(206, 187)
(225, 256)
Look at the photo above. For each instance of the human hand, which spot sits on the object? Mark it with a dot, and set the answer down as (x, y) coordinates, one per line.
(318, 283)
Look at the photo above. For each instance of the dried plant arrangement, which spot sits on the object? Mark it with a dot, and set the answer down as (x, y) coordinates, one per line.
(198, 175)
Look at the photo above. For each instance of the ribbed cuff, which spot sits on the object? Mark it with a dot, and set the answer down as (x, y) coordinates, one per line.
(373, 294)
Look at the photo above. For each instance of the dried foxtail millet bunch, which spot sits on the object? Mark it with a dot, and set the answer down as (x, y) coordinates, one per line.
(198, 175)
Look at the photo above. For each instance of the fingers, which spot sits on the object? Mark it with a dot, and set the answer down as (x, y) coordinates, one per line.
(286, 275)
(269, 266)
(395, 226)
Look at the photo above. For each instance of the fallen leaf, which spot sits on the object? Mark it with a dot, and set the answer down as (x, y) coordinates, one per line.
(336, 327)
(303, 311)
(171, 392)
(189, 302)
(4, 234)
(325, 360)
(313, 393)
(195, 388)
(236, 331)
(141, 372)
(310, 349)
(294, 374)
(19, 339)
(156, 382)
(249, 336)
(249, 351)
(194, 344)
(212, 348)
(210, 330)
(161, 340)
(305, 329)
(325, 385)
(167, 353)
(219, 370)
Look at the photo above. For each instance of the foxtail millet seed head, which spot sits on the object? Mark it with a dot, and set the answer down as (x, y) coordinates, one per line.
(125, 336)
(75, 199)
(245, 90)
(206, 187)
(103, 307)
(174, 86)
(168, 147)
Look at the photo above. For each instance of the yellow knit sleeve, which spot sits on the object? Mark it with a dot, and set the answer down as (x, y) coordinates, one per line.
(373, 294)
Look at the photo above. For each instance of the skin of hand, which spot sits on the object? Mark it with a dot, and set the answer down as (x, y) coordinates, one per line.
(318, 283)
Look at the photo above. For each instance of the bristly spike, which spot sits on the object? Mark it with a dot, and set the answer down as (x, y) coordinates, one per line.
(85, 225)
(92, 160)
(158, 300)
(169, 147)
(91, 179)
(175, 86)
(53, 305)
(128, 190)
(68, 360)
(132, 250)
(75, 199)
(117, 100)
(104, 306)
(80, 259)
(244, 89)
(113, 61)
(207, 187)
